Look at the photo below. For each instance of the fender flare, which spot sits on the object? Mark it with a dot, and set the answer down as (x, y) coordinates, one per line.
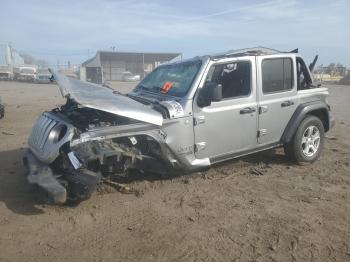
(311, 108)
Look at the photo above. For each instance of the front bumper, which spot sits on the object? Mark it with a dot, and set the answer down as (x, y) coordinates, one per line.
(72, 185)
(26, 78)
(42, 175)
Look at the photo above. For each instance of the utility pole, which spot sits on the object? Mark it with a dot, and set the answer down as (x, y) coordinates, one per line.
(143, 65)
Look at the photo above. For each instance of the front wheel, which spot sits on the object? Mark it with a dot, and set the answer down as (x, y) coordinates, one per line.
(307, 143)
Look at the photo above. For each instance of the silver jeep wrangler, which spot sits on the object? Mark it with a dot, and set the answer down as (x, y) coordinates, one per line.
(182, 117)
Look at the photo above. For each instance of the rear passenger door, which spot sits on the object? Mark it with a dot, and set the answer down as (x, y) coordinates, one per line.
(277, 96)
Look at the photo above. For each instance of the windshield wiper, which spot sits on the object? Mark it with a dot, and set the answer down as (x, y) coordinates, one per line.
(146, 88)
(156, 88)
(142, 87)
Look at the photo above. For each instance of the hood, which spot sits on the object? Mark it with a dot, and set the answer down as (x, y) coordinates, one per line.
(105, 99)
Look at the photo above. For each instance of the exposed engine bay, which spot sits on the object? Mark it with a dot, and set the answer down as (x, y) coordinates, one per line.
(91, 145)
(84, 118)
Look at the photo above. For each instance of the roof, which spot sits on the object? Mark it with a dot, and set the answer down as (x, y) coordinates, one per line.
(129, 57)
(254, 51)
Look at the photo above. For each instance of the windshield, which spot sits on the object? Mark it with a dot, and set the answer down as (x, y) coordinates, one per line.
(173, 79)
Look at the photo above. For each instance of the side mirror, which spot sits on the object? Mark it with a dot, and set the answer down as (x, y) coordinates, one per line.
(210, 92)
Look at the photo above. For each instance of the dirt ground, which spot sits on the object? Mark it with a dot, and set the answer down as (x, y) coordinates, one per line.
(229, 213)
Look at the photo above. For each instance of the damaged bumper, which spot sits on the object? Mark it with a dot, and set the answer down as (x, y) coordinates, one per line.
(76, 186)
(41, 174)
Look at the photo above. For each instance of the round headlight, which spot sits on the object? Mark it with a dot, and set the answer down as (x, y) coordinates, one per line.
(57, 133)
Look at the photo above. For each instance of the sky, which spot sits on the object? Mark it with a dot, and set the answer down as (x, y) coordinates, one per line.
(74, 30)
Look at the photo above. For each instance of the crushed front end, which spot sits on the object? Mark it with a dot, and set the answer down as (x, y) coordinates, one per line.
(72, 148)
(101, 133)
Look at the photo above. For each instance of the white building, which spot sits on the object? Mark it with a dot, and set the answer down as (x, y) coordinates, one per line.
(113, 66)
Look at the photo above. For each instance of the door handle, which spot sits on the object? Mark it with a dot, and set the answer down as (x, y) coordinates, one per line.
(247, 110)
(287, 103)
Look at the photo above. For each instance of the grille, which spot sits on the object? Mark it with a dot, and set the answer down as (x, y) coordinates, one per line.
(41, 131)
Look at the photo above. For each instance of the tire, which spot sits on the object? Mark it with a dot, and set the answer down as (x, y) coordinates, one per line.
(307, 142)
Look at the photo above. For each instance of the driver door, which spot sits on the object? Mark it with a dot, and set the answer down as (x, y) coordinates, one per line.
(228, 127)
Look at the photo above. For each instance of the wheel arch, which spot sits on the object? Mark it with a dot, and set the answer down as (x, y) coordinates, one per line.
(315, 108)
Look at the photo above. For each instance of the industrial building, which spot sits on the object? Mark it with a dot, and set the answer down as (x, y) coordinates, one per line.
(121, 66)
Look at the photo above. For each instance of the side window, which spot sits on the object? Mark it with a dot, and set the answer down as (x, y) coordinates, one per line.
(304, 79)
(235, 78)
(277, 75)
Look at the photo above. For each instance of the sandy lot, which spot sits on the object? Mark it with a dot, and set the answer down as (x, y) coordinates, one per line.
(290, 213)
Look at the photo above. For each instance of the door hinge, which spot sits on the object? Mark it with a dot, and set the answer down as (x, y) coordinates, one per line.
(200, 146)
(262, 109)
(199, 120)
(262, 132)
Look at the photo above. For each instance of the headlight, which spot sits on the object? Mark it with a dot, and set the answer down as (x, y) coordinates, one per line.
(57, 133)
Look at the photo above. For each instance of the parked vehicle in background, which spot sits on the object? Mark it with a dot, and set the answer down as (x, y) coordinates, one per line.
(43, 76)
(2, 109)
(6, 73)
(182, 117)
(129, 77)
(27, 73)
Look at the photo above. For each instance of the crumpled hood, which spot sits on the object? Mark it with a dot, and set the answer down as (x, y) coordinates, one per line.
(105, 99)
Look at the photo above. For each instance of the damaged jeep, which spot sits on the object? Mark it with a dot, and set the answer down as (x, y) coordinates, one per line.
(184, 116)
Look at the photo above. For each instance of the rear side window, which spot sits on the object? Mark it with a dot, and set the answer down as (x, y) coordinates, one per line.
(277, 75)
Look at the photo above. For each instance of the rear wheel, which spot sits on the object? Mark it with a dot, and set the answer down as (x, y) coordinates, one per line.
(307, 143)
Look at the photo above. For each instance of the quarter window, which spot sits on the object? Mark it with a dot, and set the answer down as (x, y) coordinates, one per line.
(277, 75)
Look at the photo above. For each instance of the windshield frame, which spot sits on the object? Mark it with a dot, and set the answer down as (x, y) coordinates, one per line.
(141, 88)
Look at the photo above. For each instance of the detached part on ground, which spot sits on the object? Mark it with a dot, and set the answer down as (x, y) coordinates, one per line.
(184, 116)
